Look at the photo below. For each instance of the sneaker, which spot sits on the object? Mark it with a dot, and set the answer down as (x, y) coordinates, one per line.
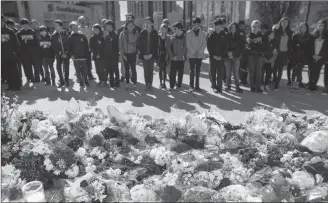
(61, 84)
(164, 86)
(227, 89)
(177, 88)
(239, 90)
(150, 88)
(253, 89)
(191, 89)
(171, 89)
(81, 84)
(47, 83)
(198, 89)
(325, 90)
(87, 83)
(259, 90)
(215, 90)
(244, 83)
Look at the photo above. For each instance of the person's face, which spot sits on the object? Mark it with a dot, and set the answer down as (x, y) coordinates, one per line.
(177, 31)
(35, 24)
(196, 25)
(218, 28)
(148, 24)
(82, 21)
(26, 26)
(95, 31)
(74, 28)
(58, 28)
(109, 28)
(130, 18)
(130, 26)
(303, 28)
(284, 24)
(242, 26)
(321, 27)
(163, 30)
(43, 33)
(255, 28)
(247, 30)
(233, 29)
(18, 27)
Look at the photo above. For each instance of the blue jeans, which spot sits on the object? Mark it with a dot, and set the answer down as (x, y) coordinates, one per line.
(81, 68)
(48, 64)
(232, 65)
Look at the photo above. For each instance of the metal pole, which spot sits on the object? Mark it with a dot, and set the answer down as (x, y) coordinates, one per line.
(184, 13)
(164, 9)
(150, 8)
(113, 11)
(107, 10)
(208, 13)
(308, 11)
(190, 12)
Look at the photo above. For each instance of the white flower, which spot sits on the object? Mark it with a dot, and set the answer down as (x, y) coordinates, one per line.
(90, 168)
(113, 172)
(48, 164)
(41, 147)
(81, 152)
(57, 172)
(9, 176)
(88, 160)
(73, 171)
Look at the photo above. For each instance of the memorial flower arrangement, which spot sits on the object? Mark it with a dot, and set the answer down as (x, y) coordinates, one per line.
(104, 157)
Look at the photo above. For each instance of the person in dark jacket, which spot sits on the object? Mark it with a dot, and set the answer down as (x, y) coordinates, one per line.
(47, 56)
(9, 55)
(78, 49)
(177, 52)
(111, 54)
(11, 24)
(97, 50)
(148, 47)
(29, 51)
(267, 63)
(232, 60)
(217, 45)
(129, 17)
(256, 48)
(163, 56)
(319, 52)
(59, 44)
(301, 54)
(243, 69)
(283, 46)
(36, 27)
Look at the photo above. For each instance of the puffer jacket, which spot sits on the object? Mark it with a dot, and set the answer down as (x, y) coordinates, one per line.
(128, 42)
(301, 49)
(178, 47)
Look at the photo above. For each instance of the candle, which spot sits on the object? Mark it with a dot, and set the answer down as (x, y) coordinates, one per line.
(33, 192)
(36, 197)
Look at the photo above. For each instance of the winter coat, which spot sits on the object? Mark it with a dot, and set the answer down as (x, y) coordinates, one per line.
(301, 49)
(86, 31)
(45, 47)
(59, 43)
(128, 42)
(78, 46)
(196, 44)
(277, 38)
(9, 44)
(217, 44)
(28, 43)
(163, 56)
(177, 47)
(111, 47)
(121, 29)
(259, 48)
(323, 52)
(97, 46)
(148, 46)
(236, 45)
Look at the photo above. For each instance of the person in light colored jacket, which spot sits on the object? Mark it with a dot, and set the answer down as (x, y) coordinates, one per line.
(196, 44)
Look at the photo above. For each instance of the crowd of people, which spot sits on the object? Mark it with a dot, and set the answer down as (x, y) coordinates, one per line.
(255, 53)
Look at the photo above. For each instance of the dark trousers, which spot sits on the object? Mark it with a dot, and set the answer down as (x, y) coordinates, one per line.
(297, 72)
(48, 66)
(37, 64)
(130, 63)
(290, 71)
(195, 64)
(326, 75)
(100, 70)
(28, 63)
(176, 68)
(148, 66)
(63, 65)
(89, 65)
(279, 64)
(112, 72)
(266, 74)
(232, 66)
(243, 73)
(11, 74)
(315, 69)
(162, 72)
(20, 70)
(216, 68)
(255, 64)
(81, 68)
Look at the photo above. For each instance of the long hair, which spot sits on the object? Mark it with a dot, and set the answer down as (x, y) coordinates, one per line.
(316, 32)
(307, 32)
(134, 31)
(287, 30)
(237, 33)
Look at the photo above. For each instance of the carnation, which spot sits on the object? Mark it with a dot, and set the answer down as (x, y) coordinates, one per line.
(9, 176)
(81, 152)
(73, 171)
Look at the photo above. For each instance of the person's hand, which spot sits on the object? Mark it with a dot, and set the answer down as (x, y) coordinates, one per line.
(230, 54)
(150, 56)
(248, 40)
(124, 58)
(271, 36)
(275, 52)
(145, 57)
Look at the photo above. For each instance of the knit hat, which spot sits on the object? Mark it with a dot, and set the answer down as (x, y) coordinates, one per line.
(150, 19)
(72, 23)
(255, 23)
(218, 22)
(24, 21)
(97, 26)
(197, 20)
(43, 28)
(178, 25)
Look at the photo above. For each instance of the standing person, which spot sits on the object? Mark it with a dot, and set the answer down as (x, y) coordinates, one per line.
(319, 53)
(301, 55)
(256, 48)
(9, 55)
(111, 54)
(269, 59)
(129, 17)
(282, 45)
(36, 27)
(177, 52)
(169, 29)
(78, 48)
(11, 24)
(217, 45)
(196, 44)
(59, 43)
(128, 51)
(163, 56)
(232, 62)
(97, 50)
(103, 24)
(148, 47)
(242, 26)
(243, 70)
(47, 56)
(84, 28)
(28, 46)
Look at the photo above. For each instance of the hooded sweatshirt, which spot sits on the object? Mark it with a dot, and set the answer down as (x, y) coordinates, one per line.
(59, 43)
(217, 44)
(178, 47)
(97, 46)
(45, 47)
(128, 41)
(78, 45)
(28, 42)
(111, 47)
(9, 44)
